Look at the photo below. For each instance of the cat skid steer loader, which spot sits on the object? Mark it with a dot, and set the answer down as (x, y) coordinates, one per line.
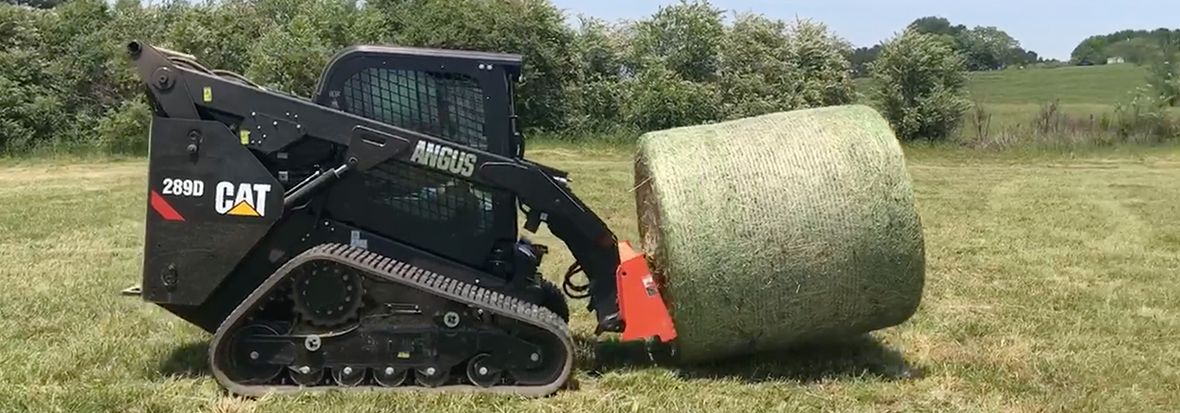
(369, 238)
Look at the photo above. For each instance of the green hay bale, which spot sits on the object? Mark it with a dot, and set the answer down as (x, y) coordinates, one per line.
(780, 229)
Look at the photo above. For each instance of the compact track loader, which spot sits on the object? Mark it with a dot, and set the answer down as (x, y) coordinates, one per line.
(369, 238)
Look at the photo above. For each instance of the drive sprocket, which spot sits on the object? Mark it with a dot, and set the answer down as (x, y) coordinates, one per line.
(326, 294)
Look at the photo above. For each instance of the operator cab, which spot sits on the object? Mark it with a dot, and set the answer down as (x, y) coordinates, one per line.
(462, 96)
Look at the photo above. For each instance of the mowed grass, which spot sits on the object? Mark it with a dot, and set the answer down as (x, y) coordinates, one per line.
(1052, 286)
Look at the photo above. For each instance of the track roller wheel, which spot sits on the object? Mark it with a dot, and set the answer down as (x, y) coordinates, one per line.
(306, 376)
(348, 376)
(431, 376)
(246, 367)
(480, 374)
(390, 376)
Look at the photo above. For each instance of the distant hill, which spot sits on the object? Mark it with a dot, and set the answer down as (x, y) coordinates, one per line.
(1106, 84)
(1134, 46)
(1101, 85)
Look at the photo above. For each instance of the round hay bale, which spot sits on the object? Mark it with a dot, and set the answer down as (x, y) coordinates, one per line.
(779, 229)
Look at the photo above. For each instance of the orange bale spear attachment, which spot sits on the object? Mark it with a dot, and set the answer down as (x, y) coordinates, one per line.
(643, 309)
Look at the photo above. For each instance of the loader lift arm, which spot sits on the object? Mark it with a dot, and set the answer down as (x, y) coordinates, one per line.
(269, 122)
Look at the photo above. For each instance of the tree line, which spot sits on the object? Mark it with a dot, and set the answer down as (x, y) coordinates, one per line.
(64, 79)
(982, 47)
(65, 82)
(1134, 46)
(989, 48)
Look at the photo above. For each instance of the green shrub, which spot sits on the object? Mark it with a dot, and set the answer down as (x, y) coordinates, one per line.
(1144, 118)
(659, 99)
(79, 56)
(124, 129)
(769, 66)
(684, 38)
(597, 103)
(290, 58)
(130, 22)
(755, 77)
(31, 108)
(369, 27)
(919, 81)
(1164, 78)
(597, 91)
(222, 35)
(825, 75)
(533, 28)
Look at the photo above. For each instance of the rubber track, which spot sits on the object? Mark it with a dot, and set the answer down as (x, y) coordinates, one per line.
(398, 272)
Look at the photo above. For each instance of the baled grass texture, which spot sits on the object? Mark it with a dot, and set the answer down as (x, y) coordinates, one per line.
(780, 229)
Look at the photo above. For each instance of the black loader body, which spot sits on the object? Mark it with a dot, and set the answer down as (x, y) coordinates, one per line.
(368, 236)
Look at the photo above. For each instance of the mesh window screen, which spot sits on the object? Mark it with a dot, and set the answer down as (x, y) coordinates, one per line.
(445, 105)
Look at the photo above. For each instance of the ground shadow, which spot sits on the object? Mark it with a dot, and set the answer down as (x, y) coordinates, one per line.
(859, 356)
(854, 357)
(188, 360)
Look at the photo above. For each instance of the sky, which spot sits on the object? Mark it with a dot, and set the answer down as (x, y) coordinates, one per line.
(1049, 27)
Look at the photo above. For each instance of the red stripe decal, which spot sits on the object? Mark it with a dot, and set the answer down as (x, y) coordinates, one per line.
(163, 208)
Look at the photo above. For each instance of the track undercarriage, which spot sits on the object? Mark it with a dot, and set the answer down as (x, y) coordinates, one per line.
(343, 317)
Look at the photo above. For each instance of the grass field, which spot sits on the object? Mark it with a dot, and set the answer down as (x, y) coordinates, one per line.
(1105, 84)
(1071, 85)
(1087, 99)
(1052, 286)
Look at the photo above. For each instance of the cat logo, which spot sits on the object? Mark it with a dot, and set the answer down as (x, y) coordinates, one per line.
(444, 158)
(243, 200)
